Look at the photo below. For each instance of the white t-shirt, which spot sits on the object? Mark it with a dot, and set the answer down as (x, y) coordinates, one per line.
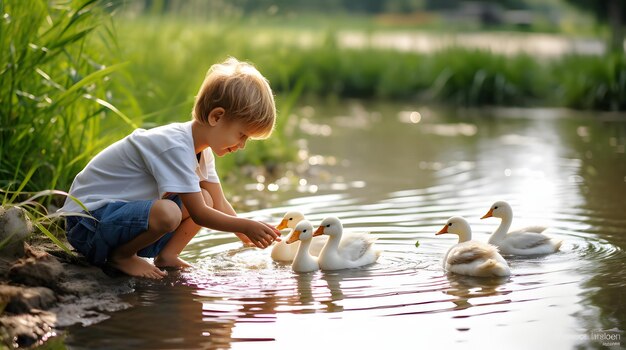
(142, 166)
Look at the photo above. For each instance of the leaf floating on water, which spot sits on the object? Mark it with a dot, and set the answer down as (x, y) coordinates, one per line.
(417, 244)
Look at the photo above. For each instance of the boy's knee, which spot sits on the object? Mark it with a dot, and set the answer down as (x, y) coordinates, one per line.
(165, 215)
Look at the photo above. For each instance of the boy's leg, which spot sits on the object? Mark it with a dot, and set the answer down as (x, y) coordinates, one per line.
(164, 217)
(168, 257)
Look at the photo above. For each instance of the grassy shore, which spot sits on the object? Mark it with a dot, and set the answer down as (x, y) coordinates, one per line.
(317, 60)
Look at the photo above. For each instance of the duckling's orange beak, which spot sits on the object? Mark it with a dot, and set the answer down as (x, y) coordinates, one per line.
(319, 231)
(489, 214)
(282, 225)
(442, 231)
(294, 236)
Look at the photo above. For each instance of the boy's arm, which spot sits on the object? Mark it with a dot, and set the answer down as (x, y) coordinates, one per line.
(222, 204)
(260, 234)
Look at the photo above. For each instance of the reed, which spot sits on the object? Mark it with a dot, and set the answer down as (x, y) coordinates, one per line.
(591, 82)
(53, 94)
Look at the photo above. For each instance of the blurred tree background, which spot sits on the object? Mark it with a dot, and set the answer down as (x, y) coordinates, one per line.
(612, 12)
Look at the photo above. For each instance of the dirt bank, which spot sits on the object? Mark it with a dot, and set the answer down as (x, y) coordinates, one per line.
(43, 289)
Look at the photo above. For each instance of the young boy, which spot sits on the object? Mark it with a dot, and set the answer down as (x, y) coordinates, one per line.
(152, 191)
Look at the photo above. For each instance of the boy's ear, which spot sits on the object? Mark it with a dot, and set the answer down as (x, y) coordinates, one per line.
(215, 115)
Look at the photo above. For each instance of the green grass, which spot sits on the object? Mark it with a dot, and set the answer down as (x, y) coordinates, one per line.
(70, 87)
(180, 49)
(597, 83)
(53, 92)
(478, 77)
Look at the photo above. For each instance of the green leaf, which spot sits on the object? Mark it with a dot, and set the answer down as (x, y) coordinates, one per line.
(24, 182)
(417, 244)
(113, 109)
(91, 78)
(53, 238)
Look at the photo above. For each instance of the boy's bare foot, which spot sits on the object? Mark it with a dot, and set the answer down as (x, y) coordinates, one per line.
(136, 266)
(175, 262)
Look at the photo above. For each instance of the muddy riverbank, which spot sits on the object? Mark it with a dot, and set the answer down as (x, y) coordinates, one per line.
(44, 289)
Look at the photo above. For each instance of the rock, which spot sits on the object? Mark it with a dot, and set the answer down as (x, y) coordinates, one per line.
(38, 268)
(15, 227)
(21, 300)
(69, 290)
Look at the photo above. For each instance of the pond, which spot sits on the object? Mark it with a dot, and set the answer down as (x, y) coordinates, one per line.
(399, 172)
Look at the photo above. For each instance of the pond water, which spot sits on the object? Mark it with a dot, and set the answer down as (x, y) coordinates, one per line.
(399, 172)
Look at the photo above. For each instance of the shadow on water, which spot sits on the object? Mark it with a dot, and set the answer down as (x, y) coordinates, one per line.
(399, 172)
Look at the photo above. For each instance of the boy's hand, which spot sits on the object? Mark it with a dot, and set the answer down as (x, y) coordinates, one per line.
(274, 229)
(261, 234)
(245, 240)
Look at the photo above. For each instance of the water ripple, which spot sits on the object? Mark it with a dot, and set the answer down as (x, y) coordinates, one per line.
(549, 179)
(241, 282)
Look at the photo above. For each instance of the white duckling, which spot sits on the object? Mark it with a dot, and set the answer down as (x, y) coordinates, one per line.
(281, 251)
(472, 258)
(303, 262)
(526, 241)
(354, 250)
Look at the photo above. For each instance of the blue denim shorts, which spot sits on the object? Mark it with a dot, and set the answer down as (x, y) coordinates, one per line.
(113, 225)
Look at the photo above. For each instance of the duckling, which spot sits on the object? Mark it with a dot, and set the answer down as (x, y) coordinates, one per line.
(469, 257)
(354, 250)
(526, 241)
(283, 252)
(303, 261)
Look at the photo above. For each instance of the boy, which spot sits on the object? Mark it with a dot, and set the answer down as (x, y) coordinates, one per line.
(152, 191)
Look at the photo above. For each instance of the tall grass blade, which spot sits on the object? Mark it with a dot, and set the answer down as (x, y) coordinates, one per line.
(53, 238)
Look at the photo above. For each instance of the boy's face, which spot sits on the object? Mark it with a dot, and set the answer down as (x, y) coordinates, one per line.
(230, 136)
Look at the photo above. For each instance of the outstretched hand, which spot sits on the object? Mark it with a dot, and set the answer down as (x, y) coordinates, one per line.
(245, 240)
(274, 229)
(260, 234)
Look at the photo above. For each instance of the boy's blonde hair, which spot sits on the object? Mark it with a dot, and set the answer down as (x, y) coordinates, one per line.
(242, 91)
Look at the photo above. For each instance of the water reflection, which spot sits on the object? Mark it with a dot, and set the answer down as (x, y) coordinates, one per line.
(304, 292)
(382, 169)
(333, 283)
(161, 317)
(468, 289)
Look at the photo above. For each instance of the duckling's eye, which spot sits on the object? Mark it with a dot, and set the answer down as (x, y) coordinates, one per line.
(290, 219)
(450, 224)
(304, 230)
(328, 225)
(496, 207)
